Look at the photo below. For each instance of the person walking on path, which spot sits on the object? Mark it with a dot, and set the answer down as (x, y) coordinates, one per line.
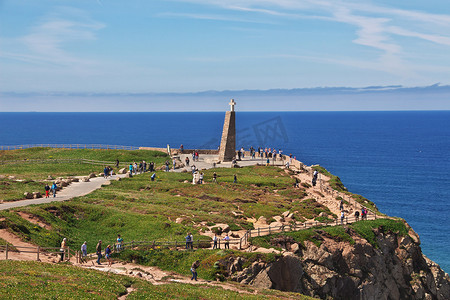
(98, 250)
(342, 217)
(227, 241)
(117, 163)
(187, 161)
(130, 168)
(47, 190)
(356, 215)
(215, 177)
(54, 188)
(63, 248)
(341, 205)
(235, 178)
(167, 166)
(108, 254)
(105, 172)
(194, 267)
(201, 178)
(83, 252)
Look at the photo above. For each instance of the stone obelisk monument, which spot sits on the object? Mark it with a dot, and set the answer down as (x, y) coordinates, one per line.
(227, 150)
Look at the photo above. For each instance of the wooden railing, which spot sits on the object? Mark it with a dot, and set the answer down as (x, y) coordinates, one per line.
(297, 227)
(175, 245)
(38, 251)
(63, 161)
(70, 146)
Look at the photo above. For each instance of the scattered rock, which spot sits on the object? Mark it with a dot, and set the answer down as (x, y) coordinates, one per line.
(28, 195)
(92, 175)
(86, 179)
(295, 248)
(179, 220)
(49, 177)
(37, 195)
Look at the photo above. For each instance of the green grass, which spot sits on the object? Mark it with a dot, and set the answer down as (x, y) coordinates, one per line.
(40, 171)
(142, 210)
(180, 291)
(364, 229)
(33, 173)
(211, 261)
(33, 280)
(14, 190)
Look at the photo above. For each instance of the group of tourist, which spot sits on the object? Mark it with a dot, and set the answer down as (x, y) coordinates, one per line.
(98, 250)
(142, 167)
(53, 189)
(216, 245)
(108, 171)
(195, 155)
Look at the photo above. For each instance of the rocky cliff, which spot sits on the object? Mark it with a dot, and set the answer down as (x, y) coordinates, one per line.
(391, 267)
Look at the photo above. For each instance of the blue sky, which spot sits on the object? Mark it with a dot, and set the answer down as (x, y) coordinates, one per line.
(157, 46)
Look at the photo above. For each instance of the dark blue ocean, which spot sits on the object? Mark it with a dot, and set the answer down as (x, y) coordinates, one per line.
(399, 160)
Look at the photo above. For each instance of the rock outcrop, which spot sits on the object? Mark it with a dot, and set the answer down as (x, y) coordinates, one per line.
(393, 268)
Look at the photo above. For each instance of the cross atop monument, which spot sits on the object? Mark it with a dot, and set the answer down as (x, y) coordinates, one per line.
(232, 104)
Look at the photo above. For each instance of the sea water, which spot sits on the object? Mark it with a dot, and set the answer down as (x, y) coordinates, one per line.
(399, 160)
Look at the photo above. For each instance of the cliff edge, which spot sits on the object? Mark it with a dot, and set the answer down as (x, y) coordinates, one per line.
(388, 265)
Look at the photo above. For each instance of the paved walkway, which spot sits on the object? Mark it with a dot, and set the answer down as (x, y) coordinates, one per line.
(206, 161)
(75, 189)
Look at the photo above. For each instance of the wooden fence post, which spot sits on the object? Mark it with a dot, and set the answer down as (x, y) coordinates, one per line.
(6, 251)
(68, 253)
(258, 231)
(38, 249)
(269, 229)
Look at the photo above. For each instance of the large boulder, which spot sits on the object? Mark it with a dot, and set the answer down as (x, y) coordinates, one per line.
(28, 195)
(37, 195)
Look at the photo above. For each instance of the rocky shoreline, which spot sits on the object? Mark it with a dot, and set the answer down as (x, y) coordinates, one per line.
(393, 268)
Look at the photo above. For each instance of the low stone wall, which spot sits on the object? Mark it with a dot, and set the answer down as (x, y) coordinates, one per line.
(200, 151)
(154, 149)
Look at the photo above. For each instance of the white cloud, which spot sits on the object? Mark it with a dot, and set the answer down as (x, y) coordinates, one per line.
(375, 26)
(49, 40)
